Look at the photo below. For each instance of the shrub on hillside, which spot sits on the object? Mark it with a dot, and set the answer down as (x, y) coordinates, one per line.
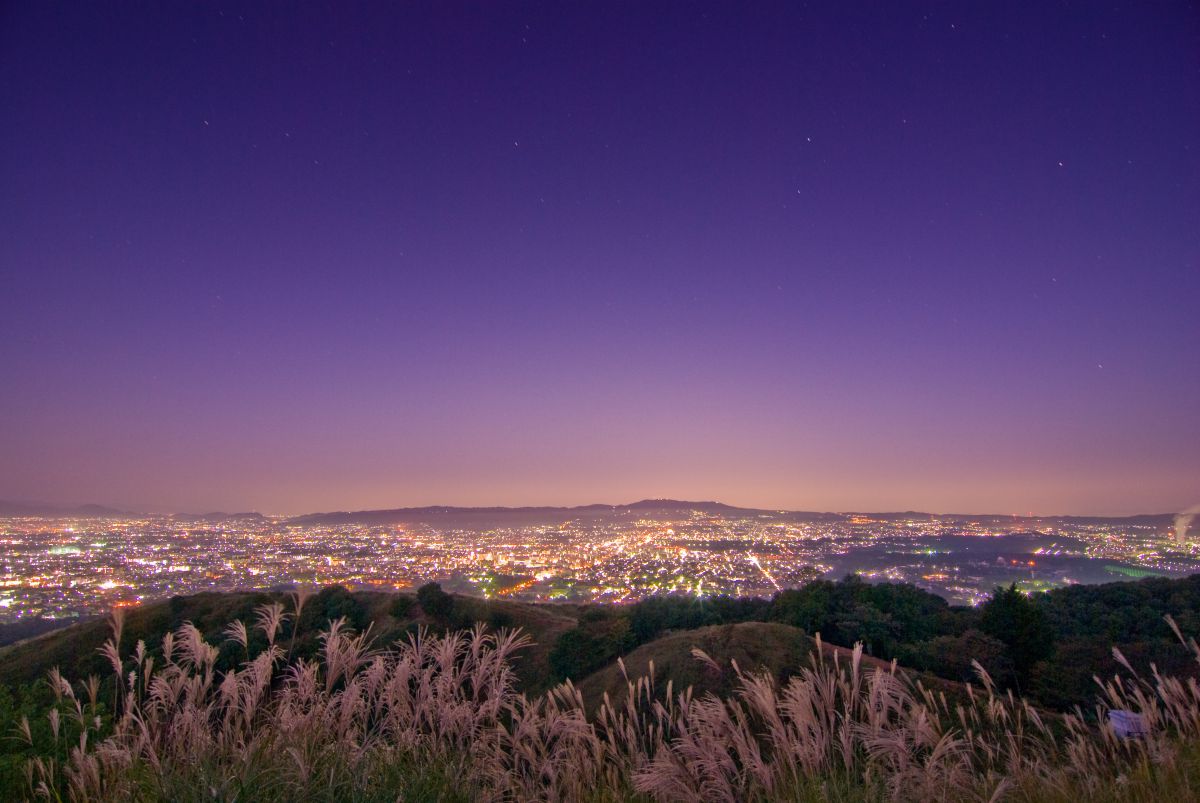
(593, 644)
(434, 601)
(954, 657)
(402, 606)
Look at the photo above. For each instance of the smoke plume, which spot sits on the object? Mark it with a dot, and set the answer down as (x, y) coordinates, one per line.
(1183, 520)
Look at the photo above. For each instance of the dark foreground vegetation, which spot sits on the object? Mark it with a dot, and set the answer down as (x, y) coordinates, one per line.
(364, 696)
(1048, 646)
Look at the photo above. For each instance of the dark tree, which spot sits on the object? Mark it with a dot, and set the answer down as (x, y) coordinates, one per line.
(332, 602)
(402, 606)
(434, 601)
(1022, 626)
(584, 649)
(953, 656)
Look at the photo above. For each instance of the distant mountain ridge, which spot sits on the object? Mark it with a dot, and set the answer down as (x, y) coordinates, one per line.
(553, 512)
(40, 510)
(58, 511)
(400, 515)
(410, 513)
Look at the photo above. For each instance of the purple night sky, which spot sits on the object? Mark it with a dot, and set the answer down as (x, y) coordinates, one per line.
(940, 256)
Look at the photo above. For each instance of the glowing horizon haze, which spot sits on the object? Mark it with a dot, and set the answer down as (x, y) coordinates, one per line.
(919, 256)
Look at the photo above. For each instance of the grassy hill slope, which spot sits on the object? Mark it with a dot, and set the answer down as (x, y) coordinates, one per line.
(756, 646)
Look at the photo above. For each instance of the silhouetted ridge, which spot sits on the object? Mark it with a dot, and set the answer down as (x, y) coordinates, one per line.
(58, 511)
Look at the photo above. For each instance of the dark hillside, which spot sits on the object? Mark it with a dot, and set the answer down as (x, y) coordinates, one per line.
(391, 617)
(1047, 646)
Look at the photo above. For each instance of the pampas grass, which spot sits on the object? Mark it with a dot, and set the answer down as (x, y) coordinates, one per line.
(438, 717)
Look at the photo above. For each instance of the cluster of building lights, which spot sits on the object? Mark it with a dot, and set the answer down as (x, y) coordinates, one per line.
(67, 568)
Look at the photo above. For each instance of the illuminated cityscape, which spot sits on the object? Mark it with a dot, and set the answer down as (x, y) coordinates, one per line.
(358, 360)
(72, 567)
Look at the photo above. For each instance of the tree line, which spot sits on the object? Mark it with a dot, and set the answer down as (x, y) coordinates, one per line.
(1046, 645)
